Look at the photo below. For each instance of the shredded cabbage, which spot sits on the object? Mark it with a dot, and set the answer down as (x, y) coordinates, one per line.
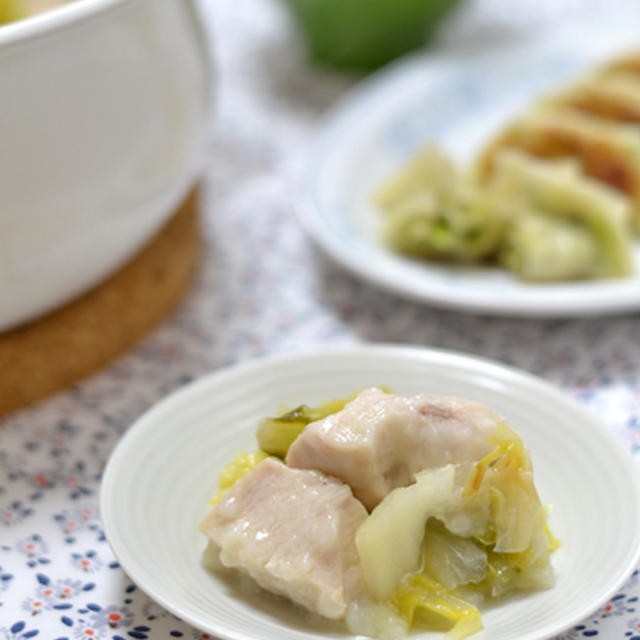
(395, 529)
(504, 480)
(276, 435)
(236, 469)
(422, 601)
(460, 532)
(452, 560)
(435, 212)
(566, 225)
(544, 220)
(539, 247)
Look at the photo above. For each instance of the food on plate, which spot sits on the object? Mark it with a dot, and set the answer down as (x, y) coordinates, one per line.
(629, 62)
(492, 503)
(540, 249)
(293, 531)
(563, 224)
(236, 469)
(434, 211)
(275, 435)
(544, 220)
(429, 169)
(612, 96)
(9, 11)
(608, 151)
(554, 196)
(12, 10)
(379, 441)
(388, 513)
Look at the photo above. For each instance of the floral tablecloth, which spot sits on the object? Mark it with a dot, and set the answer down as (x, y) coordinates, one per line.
(263, 289)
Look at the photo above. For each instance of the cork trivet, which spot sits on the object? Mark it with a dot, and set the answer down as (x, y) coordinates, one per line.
(55, 351)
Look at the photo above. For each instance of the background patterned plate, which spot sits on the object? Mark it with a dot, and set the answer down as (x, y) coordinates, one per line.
(456, 100)
(159, 478)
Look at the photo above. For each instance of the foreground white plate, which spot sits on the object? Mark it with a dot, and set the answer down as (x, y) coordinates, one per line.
(164, 470)
(458, 101)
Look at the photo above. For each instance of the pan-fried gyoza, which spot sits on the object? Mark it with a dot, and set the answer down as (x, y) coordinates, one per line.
(553, 196)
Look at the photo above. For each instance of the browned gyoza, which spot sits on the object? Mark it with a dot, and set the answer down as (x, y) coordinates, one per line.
(379, 440)
(612, 96)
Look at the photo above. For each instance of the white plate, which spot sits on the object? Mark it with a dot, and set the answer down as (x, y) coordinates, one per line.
(165, 468)
(458, 101)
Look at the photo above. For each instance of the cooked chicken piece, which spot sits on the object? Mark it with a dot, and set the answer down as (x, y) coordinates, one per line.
(293, 531)
(379, 440)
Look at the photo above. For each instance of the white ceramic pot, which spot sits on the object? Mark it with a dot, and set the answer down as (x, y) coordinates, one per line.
(104, 108)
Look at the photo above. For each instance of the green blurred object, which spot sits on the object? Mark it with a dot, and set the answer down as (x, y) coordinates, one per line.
(365, 34)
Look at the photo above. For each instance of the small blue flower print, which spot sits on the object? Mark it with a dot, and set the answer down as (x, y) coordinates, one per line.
(87, 632)
(34, 605)
(42, 480)
(617, 606)
(72, 521)
(87, 562)
(112, 617)
(55, 594)
(5, 579)
(98, 623)
(17, 631)
(634, 624)
(35, 549)
(151, 610)
(578, 632)
(14, 513)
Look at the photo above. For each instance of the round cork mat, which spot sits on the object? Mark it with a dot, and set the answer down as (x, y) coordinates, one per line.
(58, 349)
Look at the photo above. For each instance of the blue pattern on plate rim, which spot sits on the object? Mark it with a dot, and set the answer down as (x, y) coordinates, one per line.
(450, 96)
